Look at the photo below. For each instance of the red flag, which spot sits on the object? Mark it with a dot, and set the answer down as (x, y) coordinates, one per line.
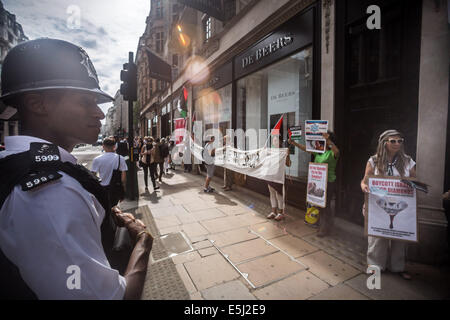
(289, 133)
(276, 129)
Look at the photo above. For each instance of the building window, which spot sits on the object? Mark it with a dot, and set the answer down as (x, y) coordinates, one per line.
(159, 41)
(207, 28)
(159, 9)
(283, 89)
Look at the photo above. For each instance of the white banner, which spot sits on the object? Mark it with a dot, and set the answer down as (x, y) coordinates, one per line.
(265, 163)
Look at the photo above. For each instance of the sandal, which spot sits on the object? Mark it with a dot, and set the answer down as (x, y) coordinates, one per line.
(279, 217)
(271, 215)
(405, 275)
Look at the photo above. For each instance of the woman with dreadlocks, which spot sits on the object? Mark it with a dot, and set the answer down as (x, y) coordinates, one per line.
(390, 160)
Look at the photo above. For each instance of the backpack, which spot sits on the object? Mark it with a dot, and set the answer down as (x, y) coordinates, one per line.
(115, 187)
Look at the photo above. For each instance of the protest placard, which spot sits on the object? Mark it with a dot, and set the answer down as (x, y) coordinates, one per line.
(317, 184)
(313, 135)
(391, 209)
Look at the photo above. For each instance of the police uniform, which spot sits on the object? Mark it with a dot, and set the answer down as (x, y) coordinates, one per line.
(45, 230)
(53, 229)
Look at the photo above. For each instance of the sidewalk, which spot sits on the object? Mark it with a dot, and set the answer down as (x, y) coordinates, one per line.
(221, 246)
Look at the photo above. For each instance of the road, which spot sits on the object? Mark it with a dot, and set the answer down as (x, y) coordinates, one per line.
(86, 154)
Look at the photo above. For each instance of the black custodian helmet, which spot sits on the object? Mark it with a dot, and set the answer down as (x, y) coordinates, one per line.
(45, 64)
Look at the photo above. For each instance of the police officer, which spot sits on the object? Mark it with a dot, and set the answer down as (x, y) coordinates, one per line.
(53, 211)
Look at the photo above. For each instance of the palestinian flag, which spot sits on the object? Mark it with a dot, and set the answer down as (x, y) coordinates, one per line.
(276, 129)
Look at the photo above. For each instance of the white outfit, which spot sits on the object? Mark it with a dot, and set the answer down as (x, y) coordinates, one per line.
(45, 230)
(106, 163)
(378, 248)
(209, 160)
(276, 199)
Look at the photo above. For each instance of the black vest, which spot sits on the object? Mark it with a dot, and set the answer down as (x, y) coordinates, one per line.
(34, 168)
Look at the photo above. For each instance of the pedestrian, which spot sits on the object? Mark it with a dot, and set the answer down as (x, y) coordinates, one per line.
(122, 148)
(165, 155)
(390, 160)
(330, 157)
(209, 153)
(159, 160)
(111, 167)
(227, 173)
(276, 190)
(52, 234)
(171, 146)
(148, 163)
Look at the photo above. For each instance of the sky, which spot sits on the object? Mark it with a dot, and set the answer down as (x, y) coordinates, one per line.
(106, 29)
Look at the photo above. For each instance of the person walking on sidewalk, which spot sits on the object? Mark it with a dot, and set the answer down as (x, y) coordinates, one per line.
(330, 156)
(227, 173)
(165, 154)
(105, 165)
(209, 153)
(148, 163)
(390, 160)
(276, 189)
(159, 160)
(52, 237)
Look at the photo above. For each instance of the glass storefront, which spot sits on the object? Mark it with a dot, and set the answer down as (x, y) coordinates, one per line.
(213, 108)
(282, 89)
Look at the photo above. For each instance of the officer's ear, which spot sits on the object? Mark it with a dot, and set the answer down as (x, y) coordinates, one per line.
(33, 103)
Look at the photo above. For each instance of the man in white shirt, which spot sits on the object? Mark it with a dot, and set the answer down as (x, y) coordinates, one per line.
(109, 161)
(50, 224)
(208, 155)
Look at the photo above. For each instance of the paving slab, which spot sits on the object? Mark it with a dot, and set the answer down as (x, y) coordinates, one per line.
(194, 230)
(264, 270)
(293, 246)
(299, 228)
(253, 218)
(196, 296)
(268, 230)
(328, 268)
(202, 245)
(296, 287)
(168, 230)
(200, 205)
(208, 251)
(184, 199)
(186, 257)
(186, 279)
(210, 271)
(224, 224)
(165, 222)
(233, 290)
(339, 292)
(187, 218)
(234, 210)
(207, 214)
(230, 237)
(160, 203)
(243, 251)
(160, 212)
(200, 238)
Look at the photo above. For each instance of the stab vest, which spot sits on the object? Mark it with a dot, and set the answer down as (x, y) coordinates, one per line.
(34, 168)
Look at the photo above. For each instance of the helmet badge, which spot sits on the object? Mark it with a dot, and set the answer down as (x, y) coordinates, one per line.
(86, 62)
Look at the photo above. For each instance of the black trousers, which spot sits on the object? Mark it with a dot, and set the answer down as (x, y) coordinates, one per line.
(152, 168)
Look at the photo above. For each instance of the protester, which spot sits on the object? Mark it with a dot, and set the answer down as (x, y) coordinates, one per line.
(105, 165)
(55, 221)
(227, 173)
(330, 157)
(148, 163)
(276, 190)
(390, 160)
(208, 156)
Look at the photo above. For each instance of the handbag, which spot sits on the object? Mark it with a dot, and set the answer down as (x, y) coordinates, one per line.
(115, 188)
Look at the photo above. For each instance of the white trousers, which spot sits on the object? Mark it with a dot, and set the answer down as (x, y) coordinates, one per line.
(276, 199)
(379, 254)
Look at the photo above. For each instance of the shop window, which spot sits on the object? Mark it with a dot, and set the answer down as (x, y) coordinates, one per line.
(283, 89)
(214, 110)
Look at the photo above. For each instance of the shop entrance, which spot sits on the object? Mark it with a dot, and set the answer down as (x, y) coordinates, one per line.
(377, 80)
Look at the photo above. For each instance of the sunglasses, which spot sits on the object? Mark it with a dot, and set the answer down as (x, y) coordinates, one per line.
(399, 141)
